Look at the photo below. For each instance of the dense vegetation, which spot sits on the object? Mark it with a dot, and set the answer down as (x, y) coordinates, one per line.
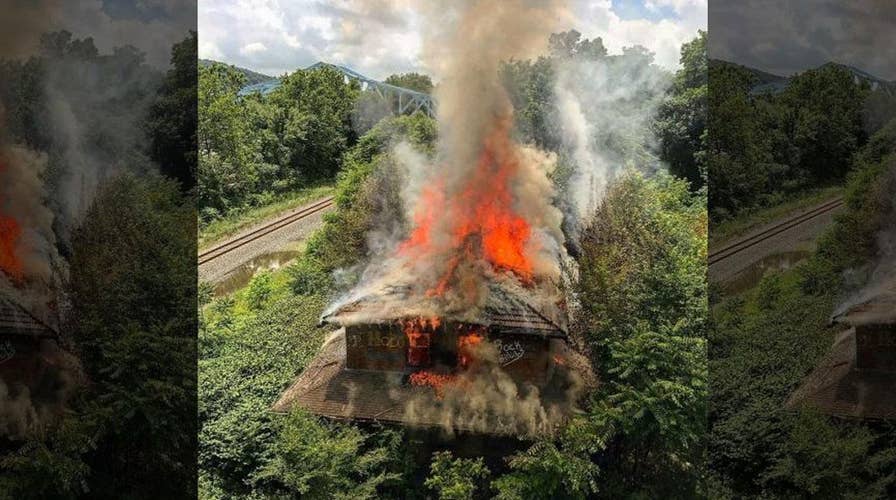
(129, 429)
(253, 344)
(764, 342)
(765, 147)
(252, 77)
(256, 149)
(642, 257)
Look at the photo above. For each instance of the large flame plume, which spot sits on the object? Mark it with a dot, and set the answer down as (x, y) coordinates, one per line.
(479, 223)
(481, 211)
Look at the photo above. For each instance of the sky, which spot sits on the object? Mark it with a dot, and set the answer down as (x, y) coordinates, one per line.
(382, 37)
(788, 37)
(152, 26)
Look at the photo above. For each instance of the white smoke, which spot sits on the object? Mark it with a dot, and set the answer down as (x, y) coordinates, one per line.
(605, 109)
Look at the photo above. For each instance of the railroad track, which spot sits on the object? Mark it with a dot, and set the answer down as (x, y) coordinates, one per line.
(229, 246)
(734, 248)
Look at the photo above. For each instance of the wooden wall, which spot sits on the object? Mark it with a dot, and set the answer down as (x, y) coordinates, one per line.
(876, 347)
(384, 348)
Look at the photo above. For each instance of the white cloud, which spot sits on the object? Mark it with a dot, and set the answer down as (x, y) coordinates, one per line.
(663, 37)
(381, 37)
(253, 48)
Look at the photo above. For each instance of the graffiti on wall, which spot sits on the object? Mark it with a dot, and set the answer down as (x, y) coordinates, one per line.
(508, 352)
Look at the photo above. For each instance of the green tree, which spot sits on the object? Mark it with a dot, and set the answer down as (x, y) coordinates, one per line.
(227, 171)
(315, 120)
(642, 289)
(681, 119)
(313, 460)
(133, 287)
(172, 119)
(825, 114)
(531, 89)
(456, 478)
(413, 81)
(738, 151)
(549, 469)
(570, 43)
(219, 113)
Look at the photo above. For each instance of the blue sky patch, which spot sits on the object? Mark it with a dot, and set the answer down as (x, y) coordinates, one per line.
(636, 9)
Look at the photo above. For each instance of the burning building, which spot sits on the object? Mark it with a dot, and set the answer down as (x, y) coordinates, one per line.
(35, 374)
(858, 377)
(22, 338)
(461, 323)
(421, 370)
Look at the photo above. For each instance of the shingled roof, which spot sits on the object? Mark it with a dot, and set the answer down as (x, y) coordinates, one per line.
(837, 388)
(880, 308)
(506, 311)
(15, 320)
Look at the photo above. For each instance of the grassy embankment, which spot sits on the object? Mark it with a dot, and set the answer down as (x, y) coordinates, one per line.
(253, 343)
(730, 229)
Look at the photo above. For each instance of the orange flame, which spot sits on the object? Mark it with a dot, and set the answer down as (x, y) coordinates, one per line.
(466, 345)
(418, 332)
(10, 231)
(9, 236)
(435, 380)
(481, 223)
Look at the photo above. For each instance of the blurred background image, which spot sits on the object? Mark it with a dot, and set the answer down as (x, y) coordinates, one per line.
(97, 249)
(802, 102)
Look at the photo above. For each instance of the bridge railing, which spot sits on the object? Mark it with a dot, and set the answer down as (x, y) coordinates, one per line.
(407, 100)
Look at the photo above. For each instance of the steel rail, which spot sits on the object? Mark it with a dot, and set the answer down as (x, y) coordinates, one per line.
(229, 246)
(735, 248)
